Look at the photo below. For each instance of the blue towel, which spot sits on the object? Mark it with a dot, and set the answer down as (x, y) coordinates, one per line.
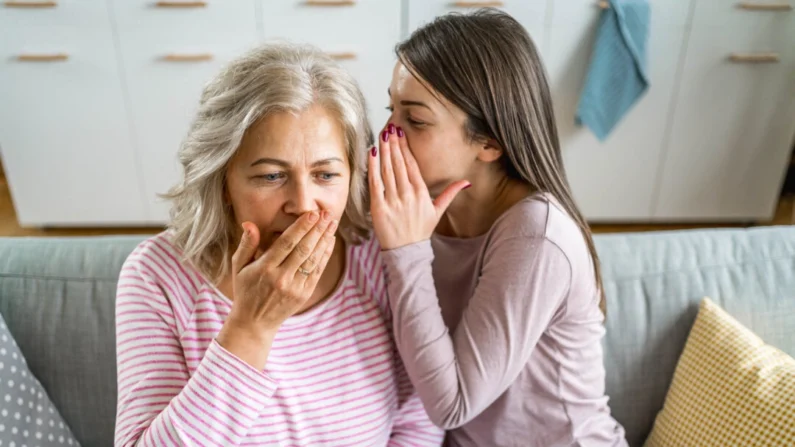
(617, 74)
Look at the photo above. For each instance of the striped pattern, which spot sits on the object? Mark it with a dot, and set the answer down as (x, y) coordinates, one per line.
(333, 376)
(729, 388)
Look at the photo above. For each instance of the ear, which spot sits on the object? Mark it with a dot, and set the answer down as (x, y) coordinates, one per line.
(489, 151)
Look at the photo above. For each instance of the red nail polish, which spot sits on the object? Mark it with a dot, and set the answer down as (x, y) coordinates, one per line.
(384, 136)
(400, 132)
(373, 151)
(391, 128)
(467, 186)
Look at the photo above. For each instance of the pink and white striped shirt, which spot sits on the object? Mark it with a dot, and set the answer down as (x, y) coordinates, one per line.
(333, 375)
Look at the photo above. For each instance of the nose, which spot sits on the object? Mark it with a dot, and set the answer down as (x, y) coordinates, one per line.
(300, 199)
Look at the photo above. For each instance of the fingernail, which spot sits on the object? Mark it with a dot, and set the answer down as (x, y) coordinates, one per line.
(384, 136)
(373, 151)
(400, 132)
(391, 128)
(467, 186)
(313, 216)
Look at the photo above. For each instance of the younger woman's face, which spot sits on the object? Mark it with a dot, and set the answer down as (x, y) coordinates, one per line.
(435, 130)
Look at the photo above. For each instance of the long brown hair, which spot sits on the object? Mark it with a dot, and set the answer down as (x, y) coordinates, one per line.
(487, 65)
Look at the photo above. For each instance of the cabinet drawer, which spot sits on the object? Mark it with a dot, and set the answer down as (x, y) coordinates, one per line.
(334, 24)
(739, 15)
(574, 12)
(187, 21)
(530, 13)
(65, 132)
(732, 128)
(53, 25)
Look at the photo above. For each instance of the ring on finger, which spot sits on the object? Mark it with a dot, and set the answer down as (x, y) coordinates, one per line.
(304, 271)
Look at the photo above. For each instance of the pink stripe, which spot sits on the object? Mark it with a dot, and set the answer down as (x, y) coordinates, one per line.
(349, 326)
(178, 416)
(350, 343)
(251, 392)
(183, 373)
(384, 404)
(231, 396)
(210, 419)
(175, 262)
(324, 397)
(133, 358)
(356, 360)
(359, 421)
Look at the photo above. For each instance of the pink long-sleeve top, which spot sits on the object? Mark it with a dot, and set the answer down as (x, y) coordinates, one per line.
(501, 334)
(333, 376)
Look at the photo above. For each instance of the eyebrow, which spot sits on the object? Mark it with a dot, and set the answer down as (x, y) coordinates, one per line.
(410, 103)
(282, 163)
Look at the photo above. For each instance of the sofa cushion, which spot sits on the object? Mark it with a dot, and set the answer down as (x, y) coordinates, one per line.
(27, 416)
(729, 388)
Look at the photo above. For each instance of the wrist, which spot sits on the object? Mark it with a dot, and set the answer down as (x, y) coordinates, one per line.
(249, 343)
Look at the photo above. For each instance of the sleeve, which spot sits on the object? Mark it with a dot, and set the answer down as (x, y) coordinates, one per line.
(159, 402)
(412, 427)
(521, 286)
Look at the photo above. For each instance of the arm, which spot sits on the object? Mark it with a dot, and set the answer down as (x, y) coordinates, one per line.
(521, 286)
(412, 426)
(159, 403)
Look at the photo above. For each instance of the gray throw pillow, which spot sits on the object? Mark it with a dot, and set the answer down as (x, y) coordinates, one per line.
(27, 416)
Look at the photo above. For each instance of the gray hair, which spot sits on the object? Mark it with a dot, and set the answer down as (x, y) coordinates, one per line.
(273, 77)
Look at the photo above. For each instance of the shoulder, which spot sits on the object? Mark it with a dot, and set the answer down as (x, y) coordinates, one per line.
(366, 270)
(158, 264)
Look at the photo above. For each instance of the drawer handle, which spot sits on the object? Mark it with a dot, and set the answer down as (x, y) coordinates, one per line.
(342, 56)
(463, 4)
(57, 57)
(765, 6)
(603, 5)
(330, 2)
(30, 4)
(181, 4)
(754, 57)
(201, 57)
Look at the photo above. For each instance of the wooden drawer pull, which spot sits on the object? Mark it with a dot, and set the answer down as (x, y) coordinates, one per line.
(330, 2)
(181, 4)
(57, 57)
(484, 4)
(765, 6)
(603, 5)
(30, 4)
(201, 57)
(754, 57)
(342, 56)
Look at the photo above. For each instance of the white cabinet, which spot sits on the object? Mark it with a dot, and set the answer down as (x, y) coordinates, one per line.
(616, 179)
(64, 129)
(93, 116)
(733, 120)
(168, 54)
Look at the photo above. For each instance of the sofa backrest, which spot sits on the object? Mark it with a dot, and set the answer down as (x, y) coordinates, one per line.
(654, 282)
(57, 296)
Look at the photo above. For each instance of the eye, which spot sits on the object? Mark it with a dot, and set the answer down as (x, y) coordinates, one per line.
(327, 176)
(390, 108)
(271, 177)
(414, 122)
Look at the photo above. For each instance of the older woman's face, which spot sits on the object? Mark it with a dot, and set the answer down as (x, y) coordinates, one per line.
(286, 166)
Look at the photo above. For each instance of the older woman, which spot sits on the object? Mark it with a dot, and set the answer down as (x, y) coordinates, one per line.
(259, 317)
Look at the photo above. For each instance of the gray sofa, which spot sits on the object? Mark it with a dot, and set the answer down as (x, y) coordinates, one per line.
(57, 296)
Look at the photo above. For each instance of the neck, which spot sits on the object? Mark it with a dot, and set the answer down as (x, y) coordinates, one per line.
(475, 209)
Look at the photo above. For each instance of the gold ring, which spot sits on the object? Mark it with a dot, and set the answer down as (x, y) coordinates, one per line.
(303, 271)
